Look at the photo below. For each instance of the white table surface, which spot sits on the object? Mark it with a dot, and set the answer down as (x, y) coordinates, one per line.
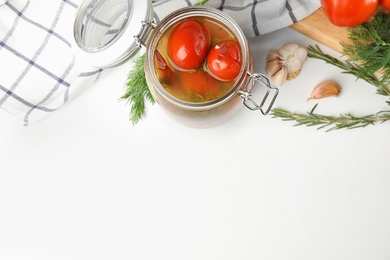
(85, 184)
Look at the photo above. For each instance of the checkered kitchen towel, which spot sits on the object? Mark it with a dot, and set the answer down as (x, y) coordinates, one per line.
(38, 69)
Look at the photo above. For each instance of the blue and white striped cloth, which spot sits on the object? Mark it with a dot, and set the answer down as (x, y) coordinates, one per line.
(39, 71)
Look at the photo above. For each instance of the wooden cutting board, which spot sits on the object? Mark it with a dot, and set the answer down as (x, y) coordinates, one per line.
(318, 27)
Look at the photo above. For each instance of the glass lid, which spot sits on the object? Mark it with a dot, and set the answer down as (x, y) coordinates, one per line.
(107, 32)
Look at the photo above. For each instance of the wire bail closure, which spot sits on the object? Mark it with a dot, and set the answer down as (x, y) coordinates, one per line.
(246, 93)
(142, 37)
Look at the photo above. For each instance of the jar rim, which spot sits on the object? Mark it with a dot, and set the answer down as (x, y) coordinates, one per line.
(197, 11)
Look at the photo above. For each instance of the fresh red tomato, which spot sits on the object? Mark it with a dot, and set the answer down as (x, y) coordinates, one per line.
(199, 82)
(224, 60)
(349, 12)
(188, 44)
(385, 4)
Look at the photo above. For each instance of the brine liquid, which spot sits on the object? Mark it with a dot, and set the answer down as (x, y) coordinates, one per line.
(195, 85)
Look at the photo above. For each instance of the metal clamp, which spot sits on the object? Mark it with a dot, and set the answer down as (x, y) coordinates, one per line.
(246, 93)
(140, 39)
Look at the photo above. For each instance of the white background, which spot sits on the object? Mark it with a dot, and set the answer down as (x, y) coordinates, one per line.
(85, 184)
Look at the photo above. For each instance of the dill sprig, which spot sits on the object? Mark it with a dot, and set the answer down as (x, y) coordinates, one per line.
(346, 121)
(371, 46)
(137, 90)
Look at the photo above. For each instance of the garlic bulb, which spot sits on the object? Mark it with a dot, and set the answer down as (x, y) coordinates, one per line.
(325, 89)
(285, 63)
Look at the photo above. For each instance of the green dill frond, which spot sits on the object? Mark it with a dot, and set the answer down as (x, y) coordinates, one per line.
(370, 46)
(137, 90)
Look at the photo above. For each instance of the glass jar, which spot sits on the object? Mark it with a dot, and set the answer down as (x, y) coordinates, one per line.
(107, 33)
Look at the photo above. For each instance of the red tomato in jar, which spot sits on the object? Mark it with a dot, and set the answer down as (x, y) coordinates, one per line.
(385, 4)
(188, 44)
(224, 60)
(199, 82)
(349, 12)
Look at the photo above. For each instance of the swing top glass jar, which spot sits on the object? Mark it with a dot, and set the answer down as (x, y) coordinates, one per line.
(198, 64)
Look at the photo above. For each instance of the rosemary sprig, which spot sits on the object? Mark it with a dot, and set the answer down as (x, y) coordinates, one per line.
(346, 121)
(350, 67)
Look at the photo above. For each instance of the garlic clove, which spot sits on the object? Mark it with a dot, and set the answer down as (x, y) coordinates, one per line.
(301, 54)
(279, 77)
(288, 50)
(275, 69)
(293, 65)
(297, 59)
(272, 67)
(273, 55)
(325, 89)
(293, 50)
